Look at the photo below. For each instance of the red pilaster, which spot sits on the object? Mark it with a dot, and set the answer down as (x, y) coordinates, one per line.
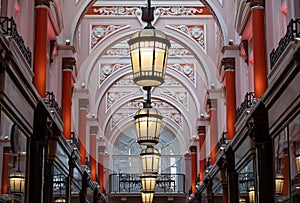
(213, 130)
(93, 153)
(201, 134)
(259, 50)
(229, 68)
(100, 171)
(40, 50)
(67, 66)
(193, 150)
(82, 129)
(4, 183)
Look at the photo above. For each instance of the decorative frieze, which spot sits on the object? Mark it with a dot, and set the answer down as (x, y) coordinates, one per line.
(108, 69)
(180, 97)
(196, 32)
(186, 69)
(162, 10)
(98, 32)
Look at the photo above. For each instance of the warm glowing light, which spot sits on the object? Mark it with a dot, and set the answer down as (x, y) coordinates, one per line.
(150, 160)
(149, 54)
(17, 182)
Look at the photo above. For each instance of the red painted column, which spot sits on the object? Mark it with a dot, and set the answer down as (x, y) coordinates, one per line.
(193, 150)
(93, 153)
(40, 49)
(4, 183)
(213, 130)
(202, 153)
(229, 68)
(100, 171)
(83, 103)
(259, 49)
(66, 102)
(285, 175)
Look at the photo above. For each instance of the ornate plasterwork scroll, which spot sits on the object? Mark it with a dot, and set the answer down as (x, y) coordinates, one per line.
(188, 70)
(163, 10)
(180, 97)
(105, 70)
(98, 32)
(196, 32)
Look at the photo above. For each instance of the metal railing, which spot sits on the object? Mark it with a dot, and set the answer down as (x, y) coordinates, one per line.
(51, 103)
(248, 102)
(292, 33)
(9, 27)
(246, 180)
(131, 183)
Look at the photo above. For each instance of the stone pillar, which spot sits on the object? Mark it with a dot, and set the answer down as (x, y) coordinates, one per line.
(193, 150)
(93, 153)
(40, 47)
(202, 153)
(66, 102)
(83, 105)
(259, 132)
(259, 49)
(4, 183)
(229, 68)
(212, 103)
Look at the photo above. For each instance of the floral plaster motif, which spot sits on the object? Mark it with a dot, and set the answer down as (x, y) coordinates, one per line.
(117, 117)
(187, 69)
(179, 52)
(113, 97)
(163, 10)
(108, 69)
(181, 97)
(176, 117)
(98, 32)
(197, 32)
(170, 81)
(183, 11)
(113, 10)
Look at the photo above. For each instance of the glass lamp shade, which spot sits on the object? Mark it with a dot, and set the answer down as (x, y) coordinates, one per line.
(147, 197)
(17, 182)
(251, 194)
(279, 184)
(297, 159)
(150, 158)
(60, 200)
(148, 183)
(149, 54)
(148, 123)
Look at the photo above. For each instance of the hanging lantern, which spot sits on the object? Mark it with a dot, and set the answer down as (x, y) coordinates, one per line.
(297, 159)
(251, 194)
(147, 197)
(149, 52)
(148, 183)
(279, 184)
(60, 200)
(17, 182)
(148, 122)
(150, 160)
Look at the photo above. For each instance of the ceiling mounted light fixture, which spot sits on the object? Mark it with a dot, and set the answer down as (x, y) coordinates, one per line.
(149, 52)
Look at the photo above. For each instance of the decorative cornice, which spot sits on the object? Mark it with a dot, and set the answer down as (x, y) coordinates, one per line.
(201, 130)
(94, 130)
(68, 63)
(42, 2)
(83, 103)
(229, 64)
(256, 3)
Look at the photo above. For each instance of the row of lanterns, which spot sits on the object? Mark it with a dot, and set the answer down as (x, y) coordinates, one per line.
(149, 53)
